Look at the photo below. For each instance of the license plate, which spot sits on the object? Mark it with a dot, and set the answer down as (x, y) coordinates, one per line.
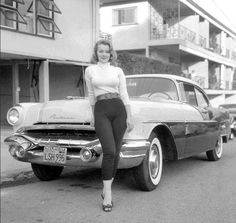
(54, 154)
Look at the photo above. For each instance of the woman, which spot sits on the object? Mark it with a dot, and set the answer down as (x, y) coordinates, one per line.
(111, 110)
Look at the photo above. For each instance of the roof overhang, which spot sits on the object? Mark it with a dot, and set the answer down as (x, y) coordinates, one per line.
(118, 2)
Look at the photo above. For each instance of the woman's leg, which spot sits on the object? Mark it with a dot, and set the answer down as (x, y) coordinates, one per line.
(104, 133)
(119, 126)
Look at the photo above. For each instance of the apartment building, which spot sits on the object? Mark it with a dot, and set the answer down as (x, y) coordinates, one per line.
(45, 46)
(177, 31)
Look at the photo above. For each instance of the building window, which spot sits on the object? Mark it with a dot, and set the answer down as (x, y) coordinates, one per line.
(125, 16)
(45, 10)
(10, 16)
(30, 16)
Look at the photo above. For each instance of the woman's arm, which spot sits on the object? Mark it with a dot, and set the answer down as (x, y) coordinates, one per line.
(130, 124)
(90, 93)
(92, 120)
(125, 98)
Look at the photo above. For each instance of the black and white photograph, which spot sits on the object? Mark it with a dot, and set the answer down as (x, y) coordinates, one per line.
(118, 111)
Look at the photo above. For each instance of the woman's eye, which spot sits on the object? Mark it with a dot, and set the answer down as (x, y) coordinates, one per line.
(103, 51)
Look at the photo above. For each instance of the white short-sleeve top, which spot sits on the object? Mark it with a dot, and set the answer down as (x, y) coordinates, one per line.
(105, 78)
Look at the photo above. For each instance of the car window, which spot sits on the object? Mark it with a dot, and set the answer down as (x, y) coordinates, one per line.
(190, 94)
(152, 88)
(201, 99)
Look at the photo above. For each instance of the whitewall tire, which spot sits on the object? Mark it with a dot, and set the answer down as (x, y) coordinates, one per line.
(148, 173)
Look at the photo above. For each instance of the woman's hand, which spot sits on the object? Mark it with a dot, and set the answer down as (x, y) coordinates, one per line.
(130, 124)
(92, 122)
(92, 116)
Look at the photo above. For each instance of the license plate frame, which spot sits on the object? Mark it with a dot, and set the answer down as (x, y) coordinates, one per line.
(54, 154)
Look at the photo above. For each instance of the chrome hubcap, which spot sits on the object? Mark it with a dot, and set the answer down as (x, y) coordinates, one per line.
(154, 161)
(218, 148)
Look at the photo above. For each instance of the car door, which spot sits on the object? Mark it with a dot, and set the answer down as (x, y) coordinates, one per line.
(197, 130)
(206, 110)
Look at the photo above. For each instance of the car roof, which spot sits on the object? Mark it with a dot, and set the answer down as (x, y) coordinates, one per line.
(167, 76)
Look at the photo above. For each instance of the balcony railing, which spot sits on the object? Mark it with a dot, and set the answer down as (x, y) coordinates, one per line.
(202, 41)
(187, 34)
(174, 32)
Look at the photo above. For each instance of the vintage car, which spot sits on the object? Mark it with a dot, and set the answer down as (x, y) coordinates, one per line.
(173, 119)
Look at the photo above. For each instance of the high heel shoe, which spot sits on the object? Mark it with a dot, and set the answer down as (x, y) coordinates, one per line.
(107, 207)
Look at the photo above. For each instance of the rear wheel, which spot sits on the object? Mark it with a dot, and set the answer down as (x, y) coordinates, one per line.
(148, 173)
(216, 153)
(46, 173)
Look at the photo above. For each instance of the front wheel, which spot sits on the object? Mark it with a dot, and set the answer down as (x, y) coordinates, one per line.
(46, 173)
(148, 173)
(216, 153)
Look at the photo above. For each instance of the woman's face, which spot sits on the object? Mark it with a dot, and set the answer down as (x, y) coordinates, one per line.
(103, 53)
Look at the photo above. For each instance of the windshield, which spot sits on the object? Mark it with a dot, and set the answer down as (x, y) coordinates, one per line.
(152, 88)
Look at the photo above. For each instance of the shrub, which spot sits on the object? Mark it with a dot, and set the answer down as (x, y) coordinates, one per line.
(135, 64)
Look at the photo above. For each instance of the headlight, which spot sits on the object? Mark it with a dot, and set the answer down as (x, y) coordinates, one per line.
(13, 116)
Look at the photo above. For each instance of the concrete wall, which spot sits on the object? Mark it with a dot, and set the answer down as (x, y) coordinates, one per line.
(75, 42)
(127, 36)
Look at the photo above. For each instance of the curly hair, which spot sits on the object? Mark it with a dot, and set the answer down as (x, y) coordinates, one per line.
(112, 52)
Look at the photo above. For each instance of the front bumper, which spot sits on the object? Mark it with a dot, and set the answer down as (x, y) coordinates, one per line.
(80, 153)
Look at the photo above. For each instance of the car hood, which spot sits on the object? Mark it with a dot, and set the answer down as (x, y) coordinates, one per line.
(79, 111)
(65, 111)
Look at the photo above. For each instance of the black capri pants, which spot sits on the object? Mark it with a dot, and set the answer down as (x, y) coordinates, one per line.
(110, 125)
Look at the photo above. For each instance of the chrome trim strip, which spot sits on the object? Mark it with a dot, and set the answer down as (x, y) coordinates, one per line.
(122, 155)
(57, 126)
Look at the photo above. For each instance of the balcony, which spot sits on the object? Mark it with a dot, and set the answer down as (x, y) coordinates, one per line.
(174, 32)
